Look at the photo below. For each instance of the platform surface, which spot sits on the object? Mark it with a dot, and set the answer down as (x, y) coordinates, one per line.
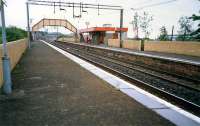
(51, 90)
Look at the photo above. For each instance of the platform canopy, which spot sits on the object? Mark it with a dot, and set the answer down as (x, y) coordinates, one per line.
(102, 29)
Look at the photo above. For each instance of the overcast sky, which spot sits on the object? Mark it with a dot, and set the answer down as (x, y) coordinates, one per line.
(167, 14)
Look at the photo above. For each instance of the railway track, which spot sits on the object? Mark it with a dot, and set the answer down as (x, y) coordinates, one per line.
(156, 74)
(177, 69)
(164, 86)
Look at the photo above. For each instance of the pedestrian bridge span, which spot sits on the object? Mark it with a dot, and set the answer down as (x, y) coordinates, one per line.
(54, 22)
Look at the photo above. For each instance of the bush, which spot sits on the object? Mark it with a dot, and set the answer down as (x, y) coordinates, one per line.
(13, 33)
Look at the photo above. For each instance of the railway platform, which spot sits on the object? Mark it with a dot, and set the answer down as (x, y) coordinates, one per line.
(167, 56)
(160, 55)
(52, 90)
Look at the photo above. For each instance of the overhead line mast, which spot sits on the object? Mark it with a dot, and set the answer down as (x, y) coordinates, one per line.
(7, 81)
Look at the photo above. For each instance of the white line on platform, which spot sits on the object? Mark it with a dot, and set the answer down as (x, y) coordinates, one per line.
(167, 110)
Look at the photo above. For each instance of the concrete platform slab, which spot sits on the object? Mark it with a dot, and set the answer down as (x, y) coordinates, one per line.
(52, 90)
(143, 97)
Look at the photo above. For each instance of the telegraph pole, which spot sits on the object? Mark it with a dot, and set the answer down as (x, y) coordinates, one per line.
(121, 26)
(7, 83)
(28, 25)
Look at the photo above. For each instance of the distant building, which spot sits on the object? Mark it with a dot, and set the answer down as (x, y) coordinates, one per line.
(46, 35)
(174, 37)
(107, 25)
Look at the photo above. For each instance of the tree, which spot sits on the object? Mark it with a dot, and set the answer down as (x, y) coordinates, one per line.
(163, 34)
(145, 23)
(135, 23)
(196, 34)
(13, 33)
(185, 28)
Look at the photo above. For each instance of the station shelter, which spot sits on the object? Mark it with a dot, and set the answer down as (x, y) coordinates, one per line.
(100, 35)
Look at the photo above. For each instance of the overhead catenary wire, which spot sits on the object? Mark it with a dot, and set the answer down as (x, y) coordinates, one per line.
(98, 10)
(76, 5)
(83, 9)
(54, 8)
(61, 9)
(80, 15)
(155, 4)
(143, 2)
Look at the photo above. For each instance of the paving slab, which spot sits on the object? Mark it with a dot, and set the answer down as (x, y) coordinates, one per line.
(52, 90)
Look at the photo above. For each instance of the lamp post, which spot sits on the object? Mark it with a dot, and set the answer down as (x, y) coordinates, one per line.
(7, 83)
(121, 26)
(28, 26)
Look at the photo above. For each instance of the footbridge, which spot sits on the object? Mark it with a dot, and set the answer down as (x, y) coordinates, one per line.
(53, 22)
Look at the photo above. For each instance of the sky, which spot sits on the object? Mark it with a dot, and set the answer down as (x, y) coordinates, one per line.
(167, 14)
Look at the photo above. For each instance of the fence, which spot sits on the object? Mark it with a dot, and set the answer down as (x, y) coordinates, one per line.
(185, 48)
(15, 51)
(177, 47)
